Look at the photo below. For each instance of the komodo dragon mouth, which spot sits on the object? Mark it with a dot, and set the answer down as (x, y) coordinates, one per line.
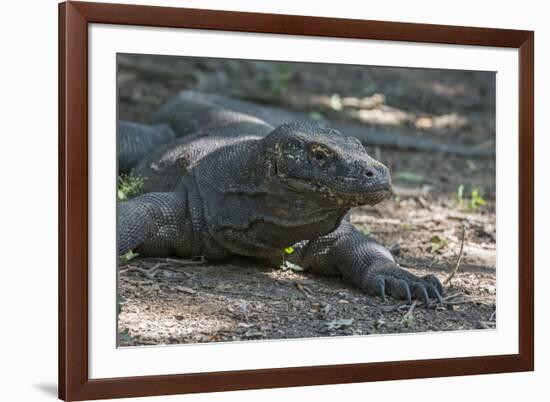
(346, 191)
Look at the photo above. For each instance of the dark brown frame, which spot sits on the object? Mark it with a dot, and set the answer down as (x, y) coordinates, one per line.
(74, 383)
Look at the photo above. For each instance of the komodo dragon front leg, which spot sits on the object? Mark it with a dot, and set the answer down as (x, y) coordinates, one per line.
(365, 263)
(153, 223)
(166, 224)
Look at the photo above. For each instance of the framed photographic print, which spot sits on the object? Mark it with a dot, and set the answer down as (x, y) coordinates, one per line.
(260, 200)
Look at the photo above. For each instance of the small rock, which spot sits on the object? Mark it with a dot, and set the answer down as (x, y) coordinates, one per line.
(167, 274)
(253, 334)
(338, 324)
(185, 289)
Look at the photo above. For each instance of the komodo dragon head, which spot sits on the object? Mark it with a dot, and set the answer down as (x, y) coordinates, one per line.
(318, 161)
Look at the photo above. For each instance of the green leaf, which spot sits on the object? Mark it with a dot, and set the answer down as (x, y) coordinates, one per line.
(476, 199)
(289, 250)
(367, 231)
(460, 192)
(130, 255)
(293, 267)
(437, 243)
(460, 196)
(128, 186)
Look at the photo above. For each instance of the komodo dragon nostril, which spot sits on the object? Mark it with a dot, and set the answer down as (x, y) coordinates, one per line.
(369, 173)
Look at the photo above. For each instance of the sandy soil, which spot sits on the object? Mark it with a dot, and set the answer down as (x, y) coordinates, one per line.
(426, 223)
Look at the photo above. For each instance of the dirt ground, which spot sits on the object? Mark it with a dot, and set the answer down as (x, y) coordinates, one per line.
(443, 207)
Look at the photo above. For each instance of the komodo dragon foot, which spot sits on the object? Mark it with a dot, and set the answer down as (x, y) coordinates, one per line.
(396, 282)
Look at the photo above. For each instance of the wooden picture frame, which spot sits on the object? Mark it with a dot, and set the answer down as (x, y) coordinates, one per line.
(74, 381)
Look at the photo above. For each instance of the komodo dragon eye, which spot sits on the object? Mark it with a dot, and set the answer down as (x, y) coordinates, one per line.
(320, 154)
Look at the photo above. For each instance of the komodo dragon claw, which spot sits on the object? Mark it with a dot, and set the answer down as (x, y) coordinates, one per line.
(400, 284)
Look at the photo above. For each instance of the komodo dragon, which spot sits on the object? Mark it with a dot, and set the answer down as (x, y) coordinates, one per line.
(232, 185)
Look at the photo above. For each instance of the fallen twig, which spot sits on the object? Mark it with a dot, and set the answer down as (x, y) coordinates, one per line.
(469, 218)
(473, 300)
(197, 261)
(178, 270)
(149, 273)
(408, 315)
(459, 259)
(408, 318)
(450, 297)
(305, 290)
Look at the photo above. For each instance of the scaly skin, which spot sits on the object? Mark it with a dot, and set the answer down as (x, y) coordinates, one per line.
(251, 194)
(135, 141)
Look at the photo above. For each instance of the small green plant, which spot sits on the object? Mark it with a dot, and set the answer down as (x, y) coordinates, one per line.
(475, 201)
(367, 231)
(437, 243)
(407, 226)
(287, 264)
(128, 187)
(129, 256)
(460, 195)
